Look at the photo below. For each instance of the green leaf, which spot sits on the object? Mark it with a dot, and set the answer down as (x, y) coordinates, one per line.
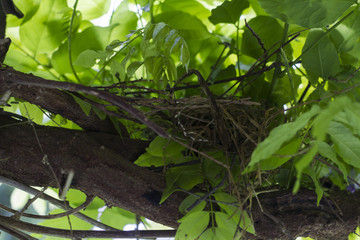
(210, 234)
(185, 177)
(350, 117)
(148, 160)
(303, 163)
(124, 21)
(280, 135)
(190, 200)
(346, 34)
(322, 121)
(48, 27)
(131, 69)
(318, 188)
(185, 55)
(88, 58)
(233, 212)
(321, 60)
(284, 153)
(92, 9)
(192, 225)
(345, 143)
(76, 223)
(190, 27)
(85, 106)
(92, 38)
(309, 13)
(226, 226)
(161, 147)
(117, 217)
(117, 67)
(189, 6)
(228, 12)
(328, 152)
(170, 71)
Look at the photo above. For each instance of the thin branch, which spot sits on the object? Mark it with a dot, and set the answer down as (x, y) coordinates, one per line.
(85, 233)
(55, 202)
(16, 233)
(88, 201)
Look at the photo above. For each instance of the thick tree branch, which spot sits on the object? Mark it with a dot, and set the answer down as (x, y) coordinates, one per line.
(102, 164)
(11, 79)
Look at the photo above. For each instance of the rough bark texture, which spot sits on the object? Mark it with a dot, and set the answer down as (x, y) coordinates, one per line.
(99, 171)
(103, 167)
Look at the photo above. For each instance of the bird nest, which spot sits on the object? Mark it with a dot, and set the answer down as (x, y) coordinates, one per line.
(244, 122)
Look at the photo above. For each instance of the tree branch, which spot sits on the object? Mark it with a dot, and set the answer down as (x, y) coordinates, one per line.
(84, 233)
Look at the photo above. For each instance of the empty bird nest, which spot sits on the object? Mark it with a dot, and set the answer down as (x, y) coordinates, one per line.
(234, 125)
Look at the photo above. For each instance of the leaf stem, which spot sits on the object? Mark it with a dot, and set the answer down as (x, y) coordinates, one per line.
(278, 67)
(69, 41)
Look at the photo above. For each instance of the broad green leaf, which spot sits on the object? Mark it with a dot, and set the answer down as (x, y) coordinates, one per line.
(148, 160)
(157, 30)
(281, 156)
(280, 135)
(318, 188)
(88, 58)
(91, 9)
(131, 69)
(192, 225)
(48, 27)
(185, 177)
(211, 170)
(303, 163)
(189, 201)
(27, 64)
(345, 143)
(161, 147)
(345, 35)
(308, 13)
(350, 117)
(228, 11)
(172, 39)
(124, 21)
(189, 27)
(322, 121)
(192, 7)
(233, 212)
(328, 152)
(118, 68)
(85, 106)
(27, 7)
(209, 234)
(226, 226)
(117, 217)
(32, 112)
(320, 57)
(92, 38)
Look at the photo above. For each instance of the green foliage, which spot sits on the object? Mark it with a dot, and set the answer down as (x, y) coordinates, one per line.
(228, 12)
(301, 54)
(310, 14)
(321, 58)
(192, 225)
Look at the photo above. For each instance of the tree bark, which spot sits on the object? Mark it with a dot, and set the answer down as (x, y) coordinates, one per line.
(103, 166)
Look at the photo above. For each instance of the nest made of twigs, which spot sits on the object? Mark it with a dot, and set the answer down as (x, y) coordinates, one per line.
(195, 120)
